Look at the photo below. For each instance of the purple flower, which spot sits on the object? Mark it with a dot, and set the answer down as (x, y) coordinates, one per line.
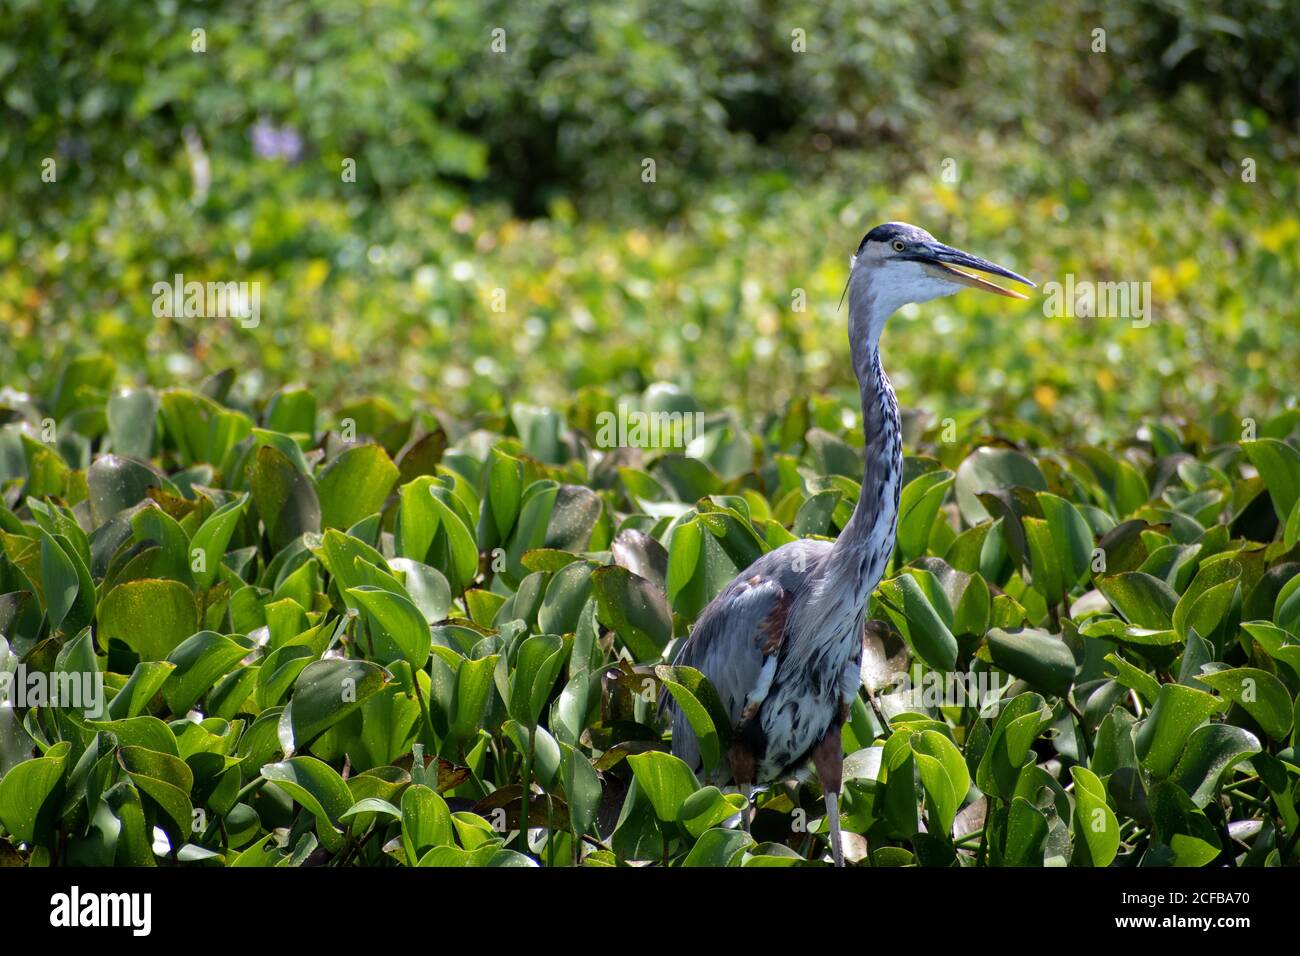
(275, 142)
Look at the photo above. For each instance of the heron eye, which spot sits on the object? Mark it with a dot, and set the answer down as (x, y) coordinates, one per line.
(898, 245)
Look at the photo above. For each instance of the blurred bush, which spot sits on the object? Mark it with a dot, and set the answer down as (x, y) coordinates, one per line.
(519, 169)
(569, 96)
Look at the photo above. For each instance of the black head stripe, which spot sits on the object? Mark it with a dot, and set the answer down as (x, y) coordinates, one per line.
(889, 231)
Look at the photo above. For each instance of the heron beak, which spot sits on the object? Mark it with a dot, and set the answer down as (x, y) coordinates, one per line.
(953, 265)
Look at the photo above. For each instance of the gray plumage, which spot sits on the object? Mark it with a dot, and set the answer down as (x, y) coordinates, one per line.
(782, 643)
(824, 587)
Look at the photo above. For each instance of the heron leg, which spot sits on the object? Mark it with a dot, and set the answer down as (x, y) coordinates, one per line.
(828, 758)
(741, 760)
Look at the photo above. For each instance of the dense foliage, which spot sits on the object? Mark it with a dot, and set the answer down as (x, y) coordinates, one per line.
(227, 165)
(356, 637)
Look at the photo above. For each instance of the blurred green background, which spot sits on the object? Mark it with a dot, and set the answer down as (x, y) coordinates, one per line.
(521, 170)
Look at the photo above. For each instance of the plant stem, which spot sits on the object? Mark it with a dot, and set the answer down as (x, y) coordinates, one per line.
(524, 809)
(424, 708)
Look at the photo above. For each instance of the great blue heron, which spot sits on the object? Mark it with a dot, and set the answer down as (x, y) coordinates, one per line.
(782, 643)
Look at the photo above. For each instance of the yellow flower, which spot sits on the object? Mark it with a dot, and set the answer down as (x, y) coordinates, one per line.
(1276, 236)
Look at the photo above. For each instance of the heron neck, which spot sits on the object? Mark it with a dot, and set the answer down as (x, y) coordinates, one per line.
(863, 547)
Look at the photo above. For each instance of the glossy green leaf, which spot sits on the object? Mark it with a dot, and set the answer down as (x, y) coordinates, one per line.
(1096, 828)
(354, 484)
(398, 629)
(152, 617)
(1178, 711)
(666, 781)
(1258, 693)
(1040, 659)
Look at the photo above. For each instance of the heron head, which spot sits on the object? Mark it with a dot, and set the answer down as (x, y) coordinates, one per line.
(901, 263)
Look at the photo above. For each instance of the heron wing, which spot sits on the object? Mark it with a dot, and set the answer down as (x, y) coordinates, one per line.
(737, 639)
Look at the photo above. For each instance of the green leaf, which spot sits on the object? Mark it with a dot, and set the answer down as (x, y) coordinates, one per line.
(539, 661)
(1211, 752)
(634, 609)
(484, 856)
(398, 629)
(699, 702)
(896, 795)
(202, 430)
(132, 421)
(1258, 693)
(1144, 600)
(1286, 608)
(212, 539)
(1279, 465)
(145, 681)
(350, 561)
(144, 731)
(505, 486)
(152, 617)
(566, 595)
(920, 623)
(1136, 678)
(1040, 659)
(1181, 826)
(473, 695)
(292, 409)
(372, 805)
(1291, 531)
(59, 579)
(355, 484)
(1014, 731)
(990, 469)
(151, 524)
(814, 515)
(115, 483)
(26, 790)
(284, 496)
(427, 587)
(1096, 828)
(683, 557)
(285, 444)
(944, 776)
(1026, 834)
(1071, 537)
(1044, 560)
(327, 691)
(167, 780)
(320, 791)
(972, 614)
(582, 788)
(199, 661)
(1160, 738)
(918, 506)
(462, 563)
(1120, 481)
(426, 822)
(719, 848)
(707, 808)
(665, 780)
(1209, 598)
(1279, 644)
